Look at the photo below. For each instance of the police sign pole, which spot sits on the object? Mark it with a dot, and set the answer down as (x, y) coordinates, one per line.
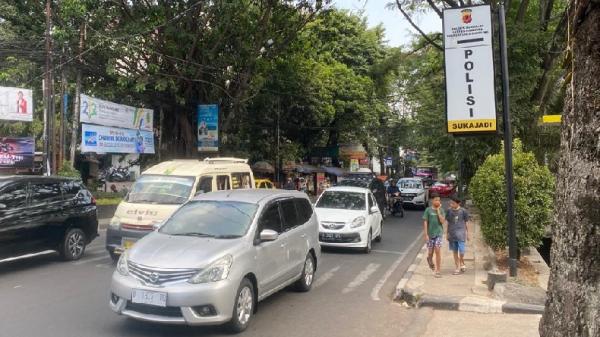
(510, 190)
(470, 89)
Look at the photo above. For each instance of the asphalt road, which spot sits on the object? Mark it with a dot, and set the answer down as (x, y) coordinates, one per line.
(352, 295)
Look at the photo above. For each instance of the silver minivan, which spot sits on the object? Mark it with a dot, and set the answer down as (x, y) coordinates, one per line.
(217, 256)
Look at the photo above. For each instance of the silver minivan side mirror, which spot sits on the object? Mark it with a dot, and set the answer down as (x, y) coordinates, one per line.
(374, 209)
(2, 206)
(268, 235)
(156, 226)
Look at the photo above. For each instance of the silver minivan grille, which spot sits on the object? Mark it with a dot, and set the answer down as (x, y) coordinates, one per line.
(332, 225)
(156, 276)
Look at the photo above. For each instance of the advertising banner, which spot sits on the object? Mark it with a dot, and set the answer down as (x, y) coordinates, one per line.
(469, 65)
(101, 139)
(96, 111)
(208, 128)
(16, 104)
(16, 152)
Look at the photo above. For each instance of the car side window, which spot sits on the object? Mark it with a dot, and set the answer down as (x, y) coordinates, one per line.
(205, 185)
(70, 189)
(270, 219)
(290, 216)
(14, 196)
(304, 210)
(223, 183)
(44, 193)
(371, 204)
(240, 180)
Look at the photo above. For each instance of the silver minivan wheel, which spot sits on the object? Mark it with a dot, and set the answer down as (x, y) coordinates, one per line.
(308, 274)
(243, 308)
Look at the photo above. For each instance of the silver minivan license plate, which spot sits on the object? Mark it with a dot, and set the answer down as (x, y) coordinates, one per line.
(149, 297)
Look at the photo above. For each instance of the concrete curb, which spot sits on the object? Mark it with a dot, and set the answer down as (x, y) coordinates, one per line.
(402, 292)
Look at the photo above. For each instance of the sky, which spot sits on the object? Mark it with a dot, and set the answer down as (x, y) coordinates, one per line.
(397, 29)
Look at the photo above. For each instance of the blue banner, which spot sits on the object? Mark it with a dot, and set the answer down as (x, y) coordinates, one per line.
(102, 139)
(16, 152)
(208, 128)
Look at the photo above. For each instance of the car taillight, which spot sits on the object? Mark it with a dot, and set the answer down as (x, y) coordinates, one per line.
(93, 201)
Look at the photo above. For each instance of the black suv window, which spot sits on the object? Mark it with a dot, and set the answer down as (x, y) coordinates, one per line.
(42, 193)
(70, 188)
(270, 218)
(304, 209)
(14, 196)
(290, 218)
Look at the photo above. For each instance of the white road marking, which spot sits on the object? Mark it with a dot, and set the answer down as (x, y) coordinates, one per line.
(27, 256)
(326, 277)
(104, 265)
(388, 252)
(83, 261)
(361, 278)
(17, 287)
(389, 272)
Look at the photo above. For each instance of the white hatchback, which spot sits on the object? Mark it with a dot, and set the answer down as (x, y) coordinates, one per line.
(349, 217)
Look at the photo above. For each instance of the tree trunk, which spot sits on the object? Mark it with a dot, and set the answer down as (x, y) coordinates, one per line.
(573, 302)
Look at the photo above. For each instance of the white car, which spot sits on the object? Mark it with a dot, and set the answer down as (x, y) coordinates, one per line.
(413, 192)
(349, 217)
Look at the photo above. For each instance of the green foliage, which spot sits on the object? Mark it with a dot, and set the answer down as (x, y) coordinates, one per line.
(534, 188)
(68, 171)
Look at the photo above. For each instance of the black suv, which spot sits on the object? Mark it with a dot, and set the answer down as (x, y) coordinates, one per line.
(41, 213)
(370, 182)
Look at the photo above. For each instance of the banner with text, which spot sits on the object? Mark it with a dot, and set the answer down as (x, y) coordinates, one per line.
(469, 64)
(96, 111)
(16, 104)
(16, 152)
(101, 139)
(208, 128)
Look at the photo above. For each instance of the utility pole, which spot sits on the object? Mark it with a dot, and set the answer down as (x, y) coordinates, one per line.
(63, 112)
(278, 164)
(510, 190)
(48, 97)
(76, 103)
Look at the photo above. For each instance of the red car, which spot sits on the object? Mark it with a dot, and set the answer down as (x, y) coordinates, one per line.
(442, 190)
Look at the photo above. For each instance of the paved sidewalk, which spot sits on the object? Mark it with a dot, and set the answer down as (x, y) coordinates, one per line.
(464, 292)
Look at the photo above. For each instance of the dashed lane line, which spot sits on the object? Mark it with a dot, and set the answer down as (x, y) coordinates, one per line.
(361, 278)
(326, 276)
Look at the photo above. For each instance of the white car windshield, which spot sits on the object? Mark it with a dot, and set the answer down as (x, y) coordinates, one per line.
(219, 219)
(412, 184)
(342, 200)
(158, 189)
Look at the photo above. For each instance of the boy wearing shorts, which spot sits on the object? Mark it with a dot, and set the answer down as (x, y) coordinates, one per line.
(457, 233)
(433, 220)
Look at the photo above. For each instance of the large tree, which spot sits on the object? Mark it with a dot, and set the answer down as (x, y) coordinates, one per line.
(573, 303)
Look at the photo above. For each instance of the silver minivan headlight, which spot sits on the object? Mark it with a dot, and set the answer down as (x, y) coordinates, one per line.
(122, 267)
(217, 271)
(360, 221)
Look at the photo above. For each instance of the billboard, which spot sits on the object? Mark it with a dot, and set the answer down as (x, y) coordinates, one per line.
(208, 128)
(469, 67)
(16, 152)
(101, 139)
(96, 111)
(16, 104)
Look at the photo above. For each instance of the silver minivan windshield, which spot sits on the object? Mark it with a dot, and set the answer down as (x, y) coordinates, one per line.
(207, 218)
(342, 200)
(161, 189)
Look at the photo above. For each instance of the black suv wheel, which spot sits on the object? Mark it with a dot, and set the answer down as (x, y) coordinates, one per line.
(73, 244)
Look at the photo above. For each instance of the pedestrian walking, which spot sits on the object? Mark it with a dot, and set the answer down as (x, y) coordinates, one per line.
(457, 233)
(289, 184)
(433, 227)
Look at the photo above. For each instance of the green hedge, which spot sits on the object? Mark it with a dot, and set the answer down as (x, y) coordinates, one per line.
(534, 189)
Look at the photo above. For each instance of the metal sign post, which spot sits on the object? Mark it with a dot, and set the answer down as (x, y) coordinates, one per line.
(510, 191)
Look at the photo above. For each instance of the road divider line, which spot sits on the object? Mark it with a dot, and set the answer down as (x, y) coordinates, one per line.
(84, 261)
(361, 278)
(388, 252)
(326, 276)
(389, 272)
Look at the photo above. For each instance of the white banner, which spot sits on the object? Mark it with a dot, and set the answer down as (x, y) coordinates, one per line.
(469, 64)
(97, 111)
(101, 139)
(16, 104)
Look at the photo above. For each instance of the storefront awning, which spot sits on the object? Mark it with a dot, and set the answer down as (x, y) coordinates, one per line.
(336, 171)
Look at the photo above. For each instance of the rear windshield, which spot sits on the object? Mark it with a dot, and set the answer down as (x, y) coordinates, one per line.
(159, 189)
(219, 219)
(342, 200)
(414, 184)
